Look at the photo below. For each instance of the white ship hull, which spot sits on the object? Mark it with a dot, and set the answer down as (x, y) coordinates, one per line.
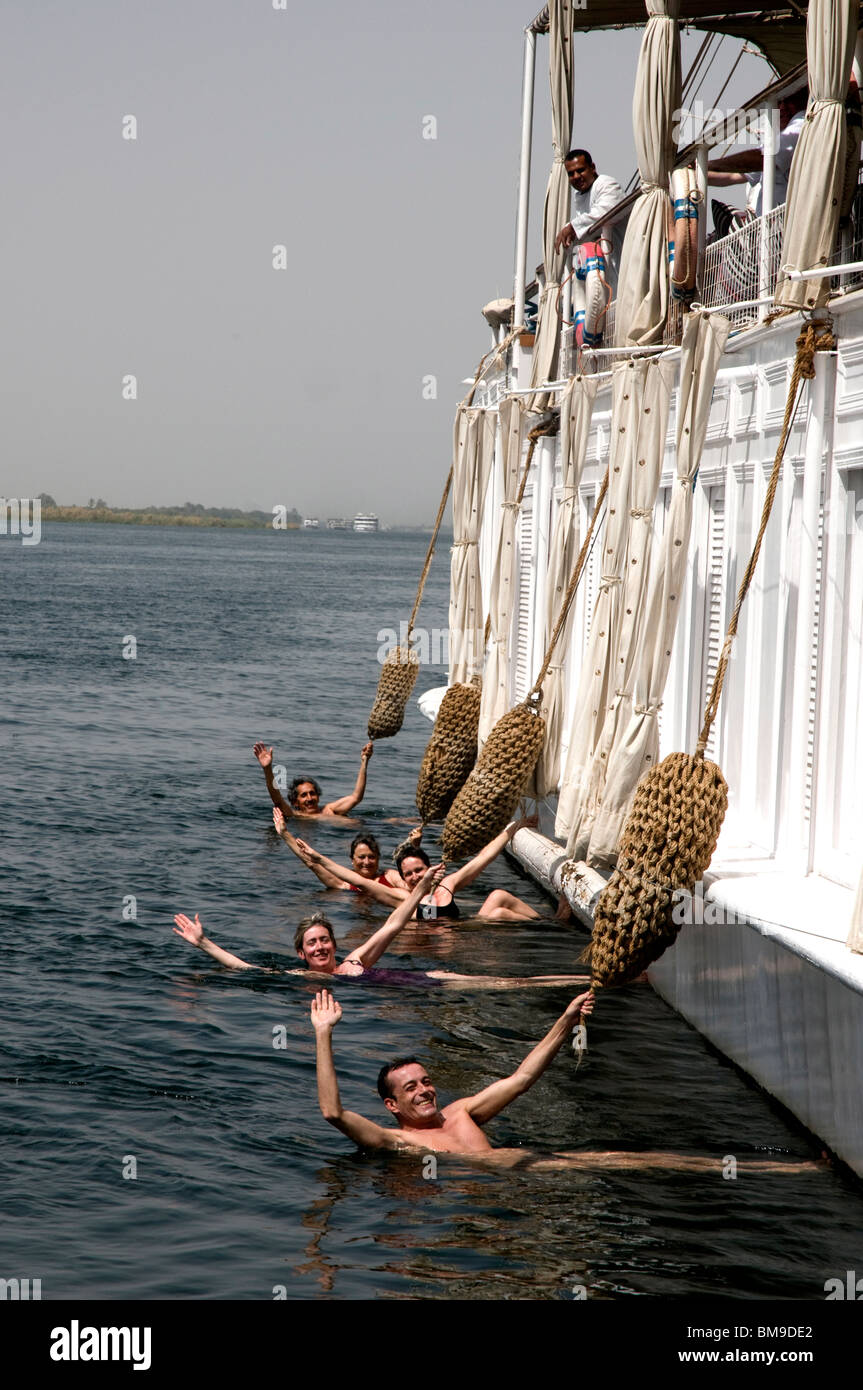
(764, 972)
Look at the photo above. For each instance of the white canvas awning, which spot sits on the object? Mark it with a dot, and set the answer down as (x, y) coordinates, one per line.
(495, 681)
(576, 409)
(641, 422)
(817, 175)
(855, 936)
(632, 745)
(643, 285)
(473, 450)
(556, 211)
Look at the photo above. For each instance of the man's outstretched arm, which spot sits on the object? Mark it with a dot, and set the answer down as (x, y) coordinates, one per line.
(485, 1104)
(264, 756)
(344, 804)
(326, 1013)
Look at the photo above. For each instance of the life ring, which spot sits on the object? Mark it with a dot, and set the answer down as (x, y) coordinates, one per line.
(683, 247)
(591, 294)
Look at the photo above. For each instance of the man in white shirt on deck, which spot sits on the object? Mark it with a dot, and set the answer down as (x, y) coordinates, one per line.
(592, 195)
(748, 165)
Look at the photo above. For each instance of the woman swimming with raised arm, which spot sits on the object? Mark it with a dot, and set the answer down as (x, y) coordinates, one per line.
(315, 944)
(365, 857)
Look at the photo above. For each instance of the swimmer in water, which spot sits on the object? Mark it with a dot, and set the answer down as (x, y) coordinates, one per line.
(412, 862)
(315, 944)
(422, 1127)
(365, 856)
(304, 794)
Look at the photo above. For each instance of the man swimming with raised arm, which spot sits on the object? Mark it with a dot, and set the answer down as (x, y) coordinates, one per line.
(422, 1127)
(409, 1095)
(304, 794)
(315, 944)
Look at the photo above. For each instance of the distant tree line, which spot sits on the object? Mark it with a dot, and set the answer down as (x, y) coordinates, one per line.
(189, 514)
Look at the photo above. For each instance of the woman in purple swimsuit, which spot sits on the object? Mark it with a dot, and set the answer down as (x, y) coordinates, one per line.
(315, 944)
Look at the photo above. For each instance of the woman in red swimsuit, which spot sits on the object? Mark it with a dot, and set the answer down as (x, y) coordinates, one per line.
(365, 855)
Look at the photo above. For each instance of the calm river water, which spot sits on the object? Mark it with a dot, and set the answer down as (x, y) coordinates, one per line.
(136, 779)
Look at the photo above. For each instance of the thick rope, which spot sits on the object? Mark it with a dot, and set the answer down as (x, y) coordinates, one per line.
(430, 553)
(496, 354)
(809, 342)
(536, 692)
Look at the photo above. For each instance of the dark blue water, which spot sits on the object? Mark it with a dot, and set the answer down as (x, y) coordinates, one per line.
(135, 778)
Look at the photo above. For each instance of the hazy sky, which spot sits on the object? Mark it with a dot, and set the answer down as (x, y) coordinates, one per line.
(258, 127)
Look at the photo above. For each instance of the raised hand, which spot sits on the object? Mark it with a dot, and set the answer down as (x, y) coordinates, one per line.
(367, 750)
(526, 823)
(326, 1012)
(263, 754)
(190, 931)
(415, 836)
(581, 1007)
(432, 877)
(278, 820)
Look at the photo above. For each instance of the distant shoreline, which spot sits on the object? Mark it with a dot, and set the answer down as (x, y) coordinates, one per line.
(144, 518)
(235, 523)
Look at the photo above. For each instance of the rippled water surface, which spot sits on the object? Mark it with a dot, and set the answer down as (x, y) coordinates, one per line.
(135, 778)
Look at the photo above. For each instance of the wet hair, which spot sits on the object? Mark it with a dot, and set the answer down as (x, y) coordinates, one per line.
(579, 154)
(365, 840)
(410, 852)
(317, 919)
(299, 782)
(385, 1090)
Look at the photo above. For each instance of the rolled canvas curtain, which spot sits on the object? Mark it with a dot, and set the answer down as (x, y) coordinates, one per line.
(495, 681)
(649, 385)
(643, 284)
(556, 210)
(576, 408)
(635, 745)
(473, 449)
(855, 936)
(817, 174)
(592, 695)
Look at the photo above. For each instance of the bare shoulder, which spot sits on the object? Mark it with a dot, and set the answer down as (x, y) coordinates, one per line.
(329, 814)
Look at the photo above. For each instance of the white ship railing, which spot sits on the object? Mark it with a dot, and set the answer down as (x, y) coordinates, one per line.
(738, 275)
(743, 267)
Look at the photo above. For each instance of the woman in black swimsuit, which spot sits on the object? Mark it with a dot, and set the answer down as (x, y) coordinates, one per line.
(412, 863)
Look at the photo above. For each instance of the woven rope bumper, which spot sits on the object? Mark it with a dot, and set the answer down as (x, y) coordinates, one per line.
(395, 683)
(668, 842)
(451, 751)
(486, 802)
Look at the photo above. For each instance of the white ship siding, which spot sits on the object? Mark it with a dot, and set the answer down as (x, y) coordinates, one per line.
(524, 622)
(788, 733)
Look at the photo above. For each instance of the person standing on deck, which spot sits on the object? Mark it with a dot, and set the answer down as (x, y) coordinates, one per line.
(593, 195)
(747, 166)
